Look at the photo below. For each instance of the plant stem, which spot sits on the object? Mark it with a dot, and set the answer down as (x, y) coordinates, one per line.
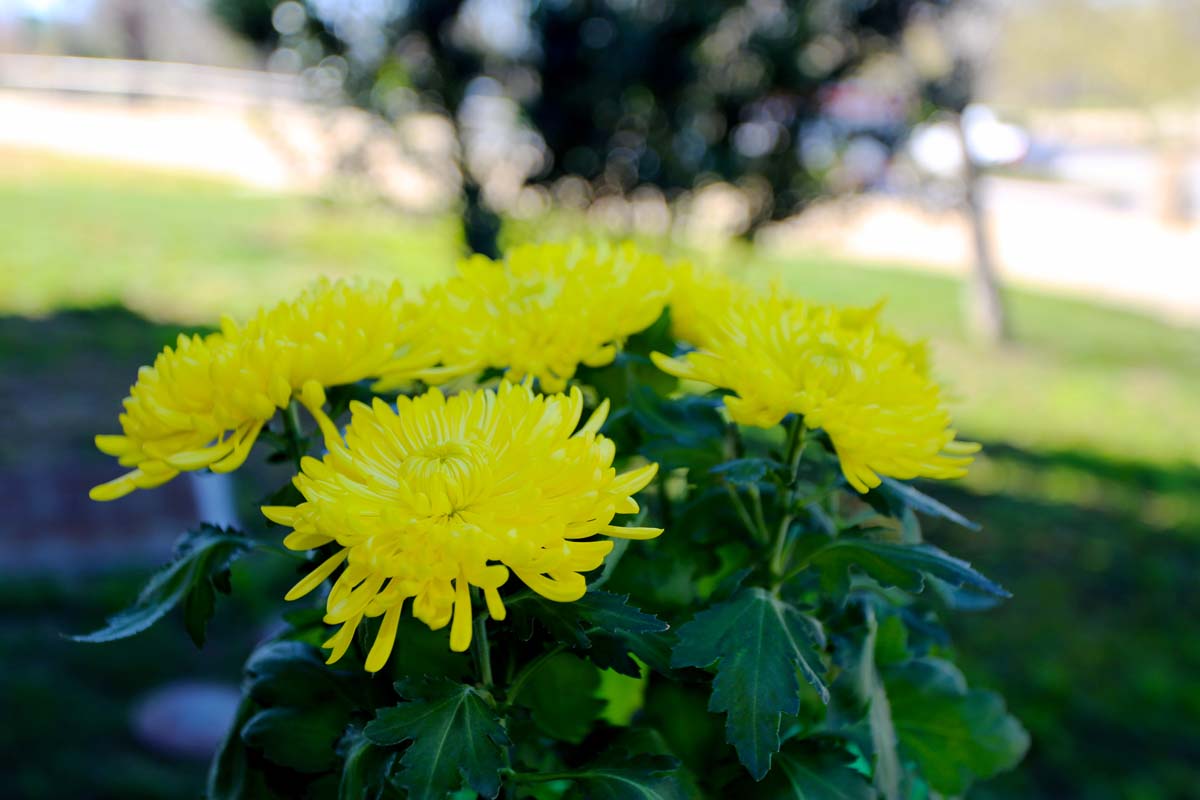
(545, 777)
(291, 427)
(795, 451)
(744, 515)
(483, 651)
(263, 547)
(759, 518)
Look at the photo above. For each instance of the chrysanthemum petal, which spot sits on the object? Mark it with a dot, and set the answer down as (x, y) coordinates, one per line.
(340, 642)
(460, 628)
(597, 419)
(495, 604)
(384, 640)
(619, 532)
(313, 579)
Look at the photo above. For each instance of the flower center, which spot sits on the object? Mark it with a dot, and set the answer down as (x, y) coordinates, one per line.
(450, 473)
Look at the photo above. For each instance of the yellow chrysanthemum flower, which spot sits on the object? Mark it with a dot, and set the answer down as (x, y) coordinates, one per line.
(443, 494)
(547, 308)
(204, 402)
(865, 386)
(700, 299)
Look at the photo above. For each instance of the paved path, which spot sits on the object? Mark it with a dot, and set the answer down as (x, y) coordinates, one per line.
(1062, 237)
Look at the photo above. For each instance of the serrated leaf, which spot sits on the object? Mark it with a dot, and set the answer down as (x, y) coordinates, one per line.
(955, 735)
(908, 496)
(457, 740)
(301, 739)
(561, 694)
(636, 778)
(365, 769)
(758, 643)
(603, 624)
(900, 565)
(199, 555)
(801, 773)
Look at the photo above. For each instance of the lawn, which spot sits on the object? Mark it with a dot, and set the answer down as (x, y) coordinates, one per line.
(1087, 488)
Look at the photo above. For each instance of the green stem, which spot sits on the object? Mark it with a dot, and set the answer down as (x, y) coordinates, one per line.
(545, 777)
(796, 443)
(483, 651)
(759, 518)
(263, 547)
(759, 533)
(291, 427)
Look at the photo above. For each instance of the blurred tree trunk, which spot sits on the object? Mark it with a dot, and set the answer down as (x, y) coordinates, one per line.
(481, 225)
(133, 29)
(985, 307)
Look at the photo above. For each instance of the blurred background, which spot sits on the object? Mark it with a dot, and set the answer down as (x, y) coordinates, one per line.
(1020, 179)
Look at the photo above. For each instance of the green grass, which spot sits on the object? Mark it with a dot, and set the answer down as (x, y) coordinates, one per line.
(1087, 488)
(186, 248)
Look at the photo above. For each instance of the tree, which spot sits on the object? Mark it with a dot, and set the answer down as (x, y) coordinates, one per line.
(620, 95)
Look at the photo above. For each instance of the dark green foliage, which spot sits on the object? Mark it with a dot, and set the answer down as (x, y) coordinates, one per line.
(806, 774)
(303, 740)
(758, 644)
(602, 626)
(783, 639)
(902, 496)
(954, 735)
(561, 694)
(456, 740)
(630, 778)
(200, 568)
(366, 769)
(901, 565)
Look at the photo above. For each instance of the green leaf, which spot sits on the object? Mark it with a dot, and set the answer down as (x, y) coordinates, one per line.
(900, 565)
(457, 740)
(228, 776)
(907, 496)
(642, 777)
(802, 773)
(861, 675)
(954, 735)
(745, 471)
(365, 769)
(201, 554)
(683, 432)
(290, 673)
(301, 739)
(758, 643)
(561, 693)
(198, 607)
(601, 623)
(891, 641)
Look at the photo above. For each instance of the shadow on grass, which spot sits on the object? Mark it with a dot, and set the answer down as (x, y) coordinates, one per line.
(66, 563)
(1096, 652)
